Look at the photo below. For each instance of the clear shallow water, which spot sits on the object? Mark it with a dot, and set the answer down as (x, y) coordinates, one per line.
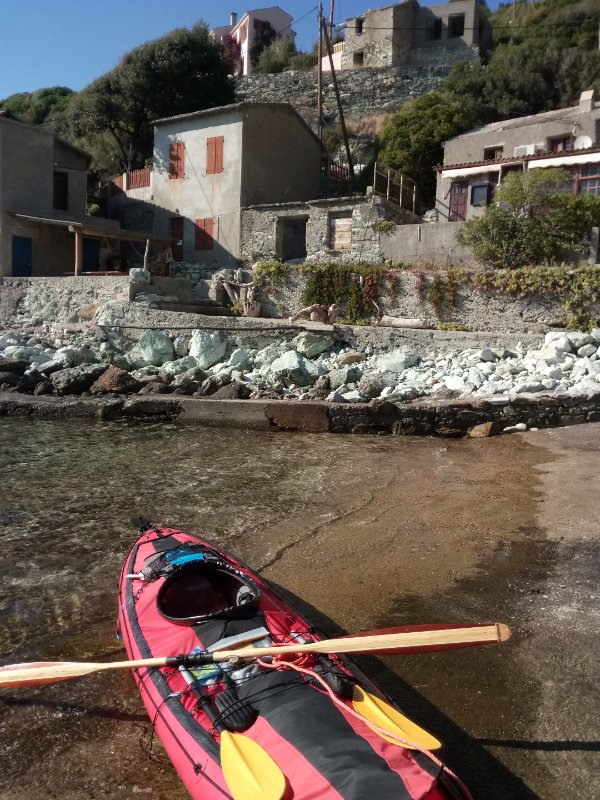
(365, 532)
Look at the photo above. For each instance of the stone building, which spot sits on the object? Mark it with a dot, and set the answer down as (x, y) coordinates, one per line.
(407, 33)
(476, 162)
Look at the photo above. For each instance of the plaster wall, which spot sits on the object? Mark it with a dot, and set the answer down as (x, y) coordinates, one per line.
(428, 242)
(425, 15)
(281, 157)
(199, 195)
(522, 131)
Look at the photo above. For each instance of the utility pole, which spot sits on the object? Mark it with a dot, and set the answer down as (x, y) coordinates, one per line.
(336, 89)
(331, 20)
(320, 76)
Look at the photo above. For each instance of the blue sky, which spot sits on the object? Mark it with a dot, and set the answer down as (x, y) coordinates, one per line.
(71, 42)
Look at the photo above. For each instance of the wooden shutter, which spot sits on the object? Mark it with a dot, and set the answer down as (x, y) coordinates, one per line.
(177, 160)
(214, 154)
(204, 234)
(340, 232)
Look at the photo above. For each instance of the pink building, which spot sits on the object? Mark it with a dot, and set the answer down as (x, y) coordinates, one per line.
(251, 24)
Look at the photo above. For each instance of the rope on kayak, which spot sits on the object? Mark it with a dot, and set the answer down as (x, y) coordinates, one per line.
(284, 662)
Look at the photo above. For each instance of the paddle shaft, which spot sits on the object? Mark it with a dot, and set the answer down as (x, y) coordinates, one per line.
(406, 641)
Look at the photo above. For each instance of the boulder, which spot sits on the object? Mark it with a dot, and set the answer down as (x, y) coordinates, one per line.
(372, 384)
(351, 357)
(339, 377)
(76, 379)
(181, 365)
(397, 361)
(354, 397)
(559, 340)
(312, 344)
(16, 365)
(213, 384)
(587, 350)
(290, 368)
(156, 347)
(236, 390)
(239, 359)
(207, 348)
(266, 356)
(485, 429)
(115, 381)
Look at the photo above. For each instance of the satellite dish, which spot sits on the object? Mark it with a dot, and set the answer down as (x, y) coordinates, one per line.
(582, 143)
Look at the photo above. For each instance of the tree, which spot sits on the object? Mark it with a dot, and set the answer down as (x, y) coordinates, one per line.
(533, 221)
(277, 56)
(182, 72)
(46, 107)
(412, 141)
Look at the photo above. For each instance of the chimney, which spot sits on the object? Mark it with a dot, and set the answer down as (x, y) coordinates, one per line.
(233, 19)
(586, 101)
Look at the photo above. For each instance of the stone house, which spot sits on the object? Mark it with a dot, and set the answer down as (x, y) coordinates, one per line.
(476, 162)
(44, 228)
(406, 33)
(250, 25)
(210, 164)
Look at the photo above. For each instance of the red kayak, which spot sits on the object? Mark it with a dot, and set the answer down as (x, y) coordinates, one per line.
(275, 728)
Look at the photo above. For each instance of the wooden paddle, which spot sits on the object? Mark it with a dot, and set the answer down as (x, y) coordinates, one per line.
(377, 711)
(407, 641)
(249, 771)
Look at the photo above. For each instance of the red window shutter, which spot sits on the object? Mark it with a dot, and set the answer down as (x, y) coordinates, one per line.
(204, 231)
(177, 160)
(214, 155)
(219, 140)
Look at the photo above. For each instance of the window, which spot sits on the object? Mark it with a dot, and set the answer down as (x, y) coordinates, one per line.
(214, 155)
(358, 59)
(360, 25)
(493, 153)
(434, 29)
(204, 230)
(176, 160)
(480, 194)
(61, 191)
(589, 180)
(456, 25)
(340, 232)
(560, 143)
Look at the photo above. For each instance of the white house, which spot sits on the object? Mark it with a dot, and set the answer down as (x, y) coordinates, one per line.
(246, 30)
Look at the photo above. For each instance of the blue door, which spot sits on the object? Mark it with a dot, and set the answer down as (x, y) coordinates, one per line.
(21, 257)
(91, 254)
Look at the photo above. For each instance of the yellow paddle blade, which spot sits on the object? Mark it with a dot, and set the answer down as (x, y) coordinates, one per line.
(250, 772)
(377, 711)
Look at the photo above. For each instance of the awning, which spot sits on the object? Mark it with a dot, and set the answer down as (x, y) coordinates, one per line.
(81, 229)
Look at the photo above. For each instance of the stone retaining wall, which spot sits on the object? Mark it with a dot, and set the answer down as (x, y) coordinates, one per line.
(363, 91)
(451, 418)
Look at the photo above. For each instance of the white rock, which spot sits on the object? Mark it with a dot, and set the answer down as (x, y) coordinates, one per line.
(156, 347)
(397, 361)
(139, 275)
(207, 348)
(476, 377)
(559, 340)
(552, 354)
(354, 397)
(579, 339)
(587, 350)
(181, 347)
(239, 359)
(485, 355)
(595, 334)
(454, 382)
(533, 386)
(520, 426)
(180, 366)
(311, 344)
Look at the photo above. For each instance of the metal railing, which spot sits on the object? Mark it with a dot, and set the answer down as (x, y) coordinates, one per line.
(396, 187)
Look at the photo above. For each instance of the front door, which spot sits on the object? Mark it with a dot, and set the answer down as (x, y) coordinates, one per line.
(459, 192)
(177, 237)
(293, 239)
(91, 254)
(22, 261)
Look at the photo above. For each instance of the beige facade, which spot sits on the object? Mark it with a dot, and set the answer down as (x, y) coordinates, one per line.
(43, 186)
(389, 36)
(476, 162)
(211, 164)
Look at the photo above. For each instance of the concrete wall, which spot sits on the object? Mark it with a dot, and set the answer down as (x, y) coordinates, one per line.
(281, 158)
(426, 243)
(198, 195)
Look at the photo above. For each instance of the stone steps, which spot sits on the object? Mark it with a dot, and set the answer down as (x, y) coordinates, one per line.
(207, 307)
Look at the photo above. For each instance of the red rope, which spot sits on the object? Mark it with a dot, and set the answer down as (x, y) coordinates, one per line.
(295, 661)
